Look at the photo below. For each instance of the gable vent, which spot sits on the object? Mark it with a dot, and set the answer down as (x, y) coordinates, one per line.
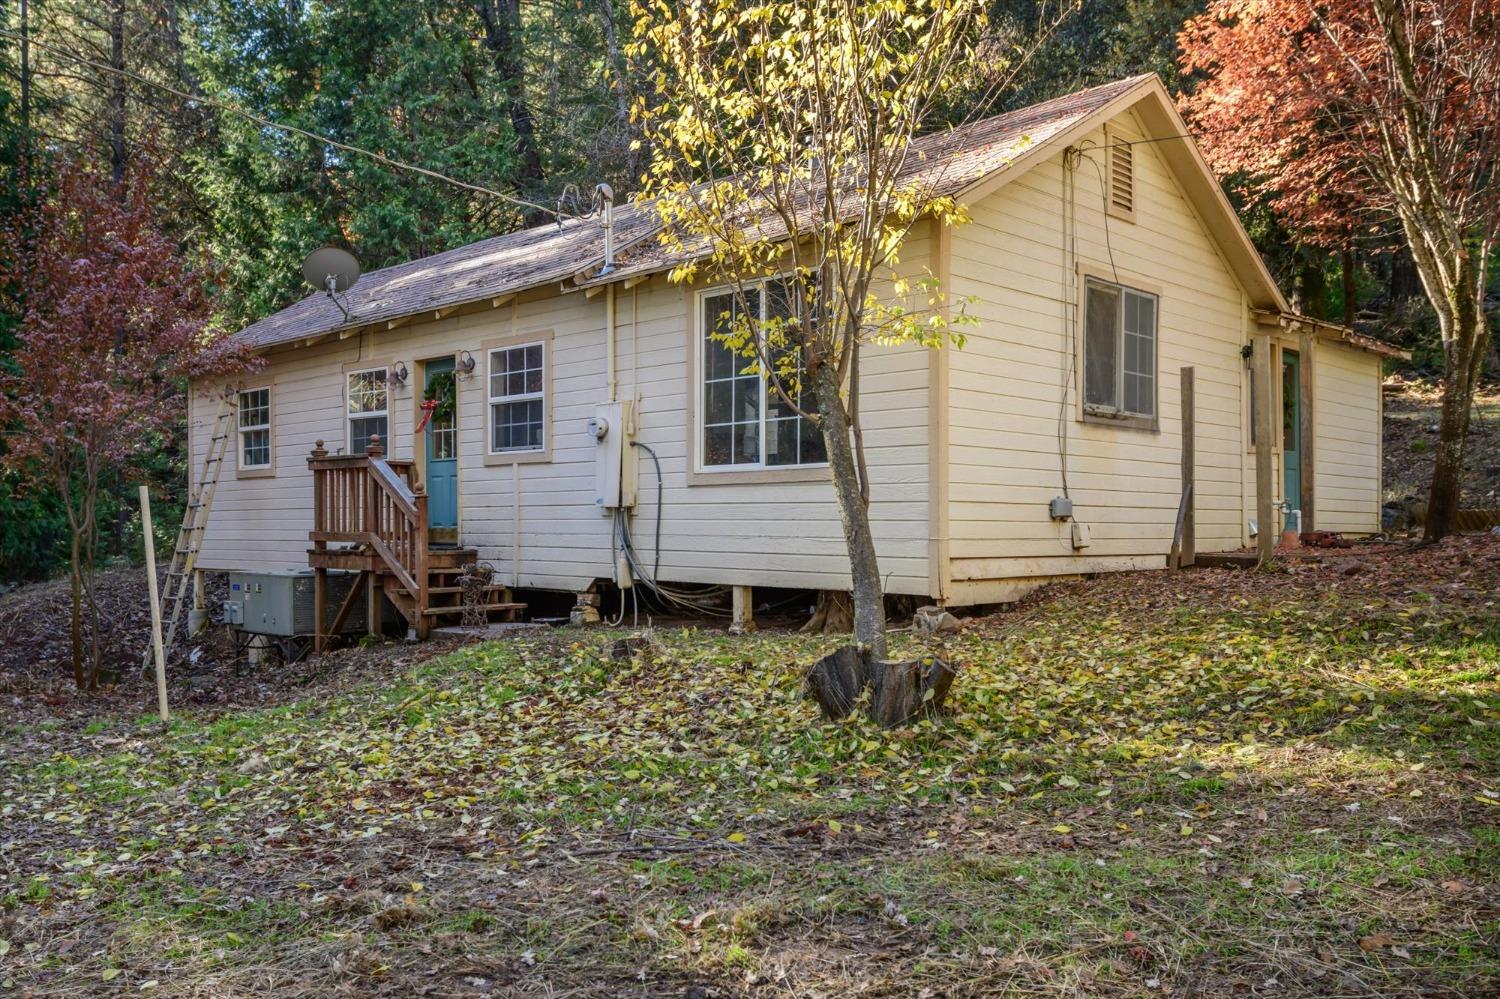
(1121, 178)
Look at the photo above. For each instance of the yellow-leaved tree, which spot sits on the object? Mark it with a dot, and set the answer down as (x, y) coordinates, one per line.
(778, 138)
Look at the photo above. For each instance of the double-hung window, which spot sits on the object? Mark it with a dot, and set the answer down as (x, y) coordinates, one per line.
(1119, 353)
(518, 398)
(747, 421)
(369, 409)
(255, 429)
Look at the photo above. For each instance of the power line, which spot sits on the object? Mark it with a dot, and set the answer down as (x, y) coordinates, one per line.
(268, 123)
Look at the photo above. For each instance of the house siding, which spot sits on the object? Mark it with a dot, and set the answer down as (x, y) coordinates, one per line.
(1007, 403)
(785, 534)
(1346, 445)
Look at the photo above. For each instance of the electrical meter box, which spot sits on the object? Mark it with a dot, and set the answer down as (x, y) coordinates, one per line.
(615, 461)
(281, 603)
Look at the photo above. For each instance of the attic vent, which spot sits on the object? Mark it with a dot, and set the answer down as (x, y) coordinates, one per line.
(1121, 178)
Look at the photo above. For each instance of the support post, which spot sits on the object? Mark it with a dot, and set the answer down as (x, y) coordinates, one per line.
(744, 610)
(198, 614)
(156, 642)
(1187, 551)
(372, 603)
(1265, 429)
(1307, 350)
(320, 607)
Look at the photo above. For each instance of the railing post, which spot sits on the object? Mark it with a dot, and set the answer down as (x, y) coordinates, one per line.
(419, 559)
(320, 483)
(373, 452)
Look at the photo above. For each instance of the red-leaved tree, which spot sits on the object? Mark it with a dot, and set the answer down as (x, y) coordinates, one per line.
(113, 316)
(1360, 114)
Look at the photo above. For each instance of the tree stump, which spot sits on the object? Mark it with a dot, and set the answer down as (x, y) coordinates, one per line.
(900, 691)
(833, 614)
(836, 680)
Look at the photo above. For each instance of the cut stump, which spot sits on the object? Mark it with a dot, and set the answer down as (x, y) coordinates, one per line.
(900, 691)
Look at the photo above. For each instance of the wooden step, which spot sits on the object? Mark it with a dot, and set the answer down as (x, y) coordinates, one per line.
(460, 589)
(458, 609)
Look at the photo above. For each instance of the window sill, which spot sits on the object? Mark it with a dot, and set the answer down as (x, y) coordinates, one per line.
(268, 472)
(1122, 420)
(789, 473)
(517, 457)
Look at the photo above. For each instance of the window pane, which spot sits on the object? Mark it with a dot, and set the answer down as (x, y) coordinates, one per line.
(255, 408)
(518, 426)
(1101, 360)
(814, 450)
(747, 399)
(781, 441)
(1140, 354)
(719, 407)
(367, 391)
(718, 448)
(747, 444)
(256, 450)
(361, 429)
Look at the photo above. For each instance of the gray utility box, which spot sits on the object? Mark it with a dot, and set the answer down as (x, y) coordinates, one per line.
(281, 603)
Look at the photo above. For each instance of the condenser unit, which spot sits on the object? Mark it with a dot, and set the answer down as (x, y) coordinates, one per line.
(281, 603)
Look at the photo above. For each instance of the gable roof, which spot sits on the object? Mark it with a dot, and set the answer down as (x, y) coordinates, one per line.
(966, 162)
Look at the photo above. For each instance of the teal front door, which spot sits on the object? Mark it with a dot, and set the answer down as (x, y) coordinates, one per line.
(442, 452)
(1291, 430)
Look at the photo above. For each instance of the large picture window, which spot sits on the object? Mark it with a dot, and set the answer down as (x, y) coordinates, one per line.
(518, 398)
(1119, 352)
(369, 409)
(255, 429)
(745, 421)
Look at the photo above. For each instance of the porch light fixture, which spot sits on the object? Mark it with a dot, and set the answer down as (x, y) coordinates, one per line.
(466, 362)
(399, 372)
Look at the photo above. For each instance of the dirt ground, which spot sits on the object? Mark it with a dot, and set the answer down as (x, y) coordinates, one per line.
(1208, 783)
(1411, 419)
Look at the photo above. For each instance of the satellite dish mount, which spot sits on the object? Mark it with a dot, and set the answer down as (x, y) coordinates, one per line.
(331, 269)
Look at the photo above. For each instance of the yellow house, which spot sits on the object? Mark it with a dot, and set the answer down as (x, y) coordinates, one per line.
(1123, 311)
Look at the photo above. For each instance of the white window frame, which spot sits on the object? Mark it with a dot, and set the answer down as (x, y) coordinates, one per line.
(1118, 415)
(700, 383)
(242, 429)
(349, 417)
(491, 400)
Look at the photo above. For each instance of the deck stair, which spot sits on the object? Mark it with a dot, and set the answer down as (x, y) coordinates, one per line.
(370, 515)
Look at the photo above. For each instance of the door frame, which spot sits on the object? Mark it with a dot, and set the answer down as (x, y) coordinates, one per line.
(419, 447)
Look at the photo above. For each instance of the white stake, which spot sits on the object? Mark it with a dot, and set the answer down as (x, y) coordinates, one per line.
(161, 655)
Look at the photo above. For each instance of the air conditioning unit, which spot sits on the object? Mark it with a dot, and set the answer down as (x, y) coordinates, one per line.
(281, 603)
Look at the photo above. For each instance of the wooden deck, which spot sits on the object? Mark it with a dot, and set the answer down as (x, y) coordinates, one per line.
(370, 516)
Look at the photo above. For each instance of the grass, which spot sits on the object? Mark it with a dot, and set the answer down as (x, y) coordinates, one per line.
(1232, 783)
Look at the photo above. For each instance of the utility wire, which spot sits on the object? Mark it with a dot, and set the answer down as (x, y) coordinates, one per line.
(235, 109)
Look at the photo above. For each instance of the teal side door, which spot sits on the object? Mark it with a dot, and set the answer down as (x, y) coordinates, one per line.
(442, 452)
(1291, 432)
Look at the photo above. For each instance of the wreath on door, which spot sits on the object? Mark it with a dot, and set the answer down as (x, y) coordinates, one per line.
(442, 391)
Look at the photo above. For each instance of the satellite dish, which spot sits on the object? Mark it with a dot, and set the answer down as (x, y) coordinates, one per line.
(331, 269)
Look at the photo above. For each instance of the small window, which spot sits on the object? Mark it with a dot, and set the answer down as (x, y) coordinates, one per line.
(1119, 352)
(747, 420)
(518, 402)
(255, 428)
(369, 409)
(1121, 176)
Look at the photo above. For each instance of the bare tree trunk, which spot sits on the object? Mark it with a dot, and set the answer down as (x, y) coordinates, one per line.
(117, 93)
(75, 616)
(1463, 358)
(854, 513)
(25, 80)
(1347, 267)
(502, 29)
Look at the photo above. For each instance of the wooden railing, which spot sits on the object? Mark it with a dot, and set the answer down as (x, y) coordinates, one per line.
(368, 499)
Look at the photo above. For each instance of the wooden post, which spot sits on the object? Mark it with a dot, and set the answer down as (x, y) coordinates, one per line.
(372, 602)
(1187, 552)
(744, 610)
(320, 607)
(1305, 430)
(1265, 429)
(156, 642)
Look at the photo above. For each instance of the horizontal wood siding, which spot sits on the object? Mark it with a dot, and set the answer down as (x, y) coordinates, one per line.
(1013, 388)
(756, 533)
(1347, 449)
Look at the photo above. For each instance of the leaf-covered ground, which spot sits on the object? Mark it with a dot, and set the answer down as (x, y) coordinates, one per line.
(1205, 783)
(1412, 409)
